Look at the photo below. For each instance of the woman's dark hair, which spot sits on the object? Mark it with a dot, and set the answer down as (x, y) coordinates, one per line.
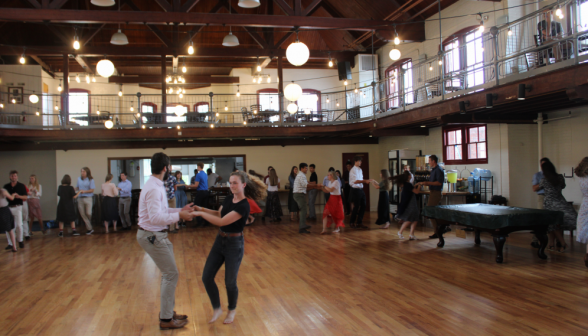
(582, 168)
(386, 177)
(176, 173)
(401, 179)
(254, 188)
(158, 162)
(302, 165)
(349, 163)
(254, 173)
(292, 172)
(66, 180)
(273, 178)
(331, 169)
(550, 173)
(338, 173)
(88, 173)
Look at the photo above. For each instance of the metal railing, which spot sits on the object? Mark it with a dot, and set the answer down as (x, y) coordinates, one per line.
(536, 43)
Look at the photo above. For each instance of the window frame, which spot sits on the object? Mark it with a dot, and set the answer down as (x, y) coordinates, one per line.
(149, 104)
(77, 90)
(460, 36)
(465, 136)
(199, 104)
(400, 84)
(270, 92)
(319, 106)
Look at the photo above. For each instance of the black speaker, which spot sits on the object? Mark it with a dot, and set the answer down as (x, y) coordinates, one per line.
(344, 70)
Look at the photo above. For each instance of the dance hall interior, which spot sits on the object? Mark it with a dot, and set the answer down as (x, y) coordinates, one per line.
(294, 167)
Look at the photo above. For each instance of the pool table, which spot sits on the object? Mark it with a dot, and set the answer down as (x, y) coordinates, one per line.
(496, 219)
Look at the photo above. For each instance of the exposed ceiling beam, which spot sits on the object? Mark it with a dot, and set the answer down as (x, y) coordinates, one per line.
(162, 18)
(435, 3)
(190, 79)
(34, 3)
(56, 4)
(93, 34)
(285, 7)
(84, 64)
(189, 5)
(44, 65)
(310, 8)
(220, 4)
(162, 37)
(164, 5)
(147, 51)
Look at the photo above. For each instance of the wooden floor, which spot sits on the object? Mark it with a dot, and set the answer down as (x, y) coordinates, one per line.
(355, 283)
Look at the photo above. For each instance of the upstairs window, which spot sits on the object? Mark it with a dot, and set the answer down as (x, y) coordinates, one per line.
(400, 87)
(465, 145)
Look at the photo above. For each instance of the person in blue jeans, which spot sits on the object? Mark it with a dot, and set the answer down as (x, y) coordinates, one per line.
(229, 243)
(200, 182)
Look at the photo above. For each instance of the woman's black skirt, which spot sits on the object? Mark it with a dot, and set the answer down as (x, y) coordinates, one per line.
(109, 209)
(273, 207)
(6, 220)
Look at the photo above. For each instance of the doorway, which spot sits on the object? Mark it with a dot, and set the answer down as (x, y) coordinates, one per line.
(365, 167)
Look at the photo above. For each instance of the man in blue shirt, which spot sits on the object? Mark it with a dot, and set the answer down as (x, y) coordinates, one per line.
(200, 182)
(435, 184)
(540, 196)
(86, 188)
(124, 202)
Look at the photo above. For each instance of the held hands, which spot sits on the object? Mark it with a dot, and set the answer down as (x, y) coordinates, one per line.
(187, 215)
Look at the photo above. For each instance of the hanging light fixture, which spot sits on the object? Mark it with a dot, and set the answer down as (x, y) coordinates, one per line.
(355, 88)
(87, 79)
(558, 11)
(181, 95)
(269, 79)
(292, 91)
(191, 46)
(98, 109)
(179, 111)
(119, 38)
(102, 3)
(430, 67)
(184, 66)
(59, 87)
(230, 40)
(249, 3)
(120, 91)
(509, 32)
(395, 54)
(292, 108)
(105, 68)
(108, 124)
(396, 39)
(226, 107)
(37, 113)
(238, 93)
(22, 59)
(56, 107)
(481, 29)
(34, 98)
(337, 102)
(258, 65)
(76, 43)
(345, 83)
(78, 78)
(93, 79)
(330, 60)
(297, 52)
(132, 108)
(328, 100)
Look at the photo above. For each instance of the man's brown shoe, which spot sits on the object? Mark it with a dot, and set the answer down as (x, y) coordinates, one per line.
(179, 317)
(173, 324)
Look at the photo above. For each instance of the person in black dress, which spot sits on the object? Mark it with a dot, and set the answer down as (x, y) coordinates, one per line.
(384, 200)
(6, 218)
(408, 210)
(66, 212)
(229, 244)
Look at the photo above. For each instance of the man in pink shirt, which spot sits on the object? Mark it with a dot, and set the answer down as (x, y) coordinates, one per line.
(154, 217)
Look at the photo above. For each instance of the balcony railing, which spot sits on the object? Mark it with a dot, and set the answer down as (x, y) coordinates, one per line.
(502, 54)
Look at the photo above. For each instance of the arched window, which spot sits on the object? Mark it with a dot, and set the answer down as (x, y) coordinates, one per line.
(396, 87)
(310, 99)
(80, 106)
(148, 108)
(464, 52)
(202, 107)
(268, 99)
(172, 109)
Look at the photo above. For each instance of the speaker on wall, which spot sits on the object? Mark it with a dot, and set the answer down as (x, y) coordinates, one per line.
(344, 70)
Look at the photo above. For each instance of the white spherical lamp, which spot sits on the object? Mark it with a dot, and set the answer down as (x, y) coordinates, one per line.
(34, 98)
(292, 108)
(395, 54)
(108, 124)
(105, 68)
(297, 53)
(179, 111)
(292, 91)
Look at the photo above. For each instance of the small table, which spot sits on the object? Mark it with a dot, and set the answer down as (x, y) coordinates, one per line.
(498, 220)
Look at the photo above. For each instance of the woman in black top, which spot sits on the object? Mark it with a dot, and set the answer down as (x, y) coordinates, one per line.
(408, 210)
(228, 246)
(66, 212)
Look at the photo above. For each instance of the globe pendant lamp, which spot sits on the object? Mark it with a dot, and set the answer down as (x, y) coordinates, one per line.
(292, 108)
(292, 92)
(249, 3)
(395, 54)
(34, 98)
(102, 3)
(119, 38)
(108, 124)
(230, 40)
(105, 68)
(297, 53)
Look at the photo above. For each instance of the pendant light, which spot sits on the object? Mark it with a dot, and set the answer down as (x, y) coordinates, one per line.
(105, 68)
(22, 59)
(102, 3)
(355, 88)
(191, 48)
(87, 79)
(132, 108)
(328, 100)
(77, 78)
(76, 43)
(120, 93)
(395, 54)
(93, 79)
(330, 60)
(509, 32)
(481, 29)
(292, 91)
(396, 39)
(292, 108)
(258, 65)
(108, 124)
(226, 107)
(119, 38)
(59, 87)
(184, 66)
(249, 3)
(230, 40)
(238, 93)
(34, 98)
(297, 52)
(269, 79)
(345, 83)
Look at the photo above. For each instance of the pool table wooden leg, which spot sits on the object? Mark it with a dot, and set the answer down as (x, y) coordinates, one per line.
(499, 244)
(477, 239)
(542, 237)
(440, 231)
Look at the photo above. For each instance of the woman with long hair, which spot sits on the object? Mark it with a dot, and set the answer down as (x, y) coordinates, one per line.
(384, 199)
(292, 205)
(35, 192)
(408, 210)
(109, 203)
(334, 212)
(552, 184)
(181, 198)
(6, 217)
(273, 207)
(582, 224)
(66, 212)
(86, 187)
(253, 207)
(228, 246)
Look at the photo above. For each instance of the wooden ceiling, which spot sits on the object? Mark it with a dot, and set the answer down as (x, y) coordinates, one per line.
(39, 24)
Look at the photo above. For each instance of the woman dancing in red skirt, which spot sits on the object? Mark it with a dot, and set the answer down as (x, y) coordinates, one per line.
(333, 212)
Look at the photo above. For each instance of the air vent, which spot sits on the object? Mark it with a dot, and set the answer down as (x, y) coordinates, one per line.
(367, 63)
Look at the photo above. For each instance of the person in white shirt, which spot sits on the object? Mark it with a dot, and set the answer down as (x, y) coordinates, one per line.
(356, 182)
(154, 218)
(273, 207)
(301, 185)
(212, 178)
(333, 213)
(407, 169)
(326, 182)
